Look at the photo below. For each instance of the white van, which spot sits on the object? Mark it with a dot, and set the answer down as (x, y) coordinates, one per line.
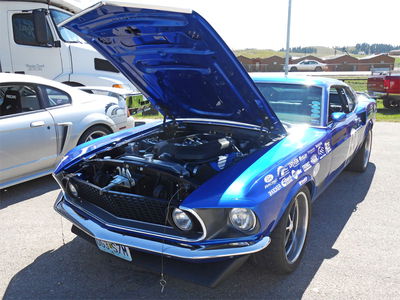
(31, 43)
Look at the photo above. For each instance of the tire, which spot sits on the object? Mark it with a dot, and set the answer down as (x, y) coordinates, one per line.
(390, 103)
(94, 132)
(318, 69)
(283, 255)
(293, 69)
(359, 163)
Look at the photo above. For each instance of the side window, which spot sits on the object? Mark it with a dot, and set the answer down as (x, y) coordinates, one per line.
(15, 99)
(56, 97)
(351, 98)
(24, 30)
(337, 101)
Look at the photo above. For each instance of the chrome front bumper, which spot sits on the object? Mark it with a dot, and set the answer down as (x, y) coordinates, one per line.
(96, 231)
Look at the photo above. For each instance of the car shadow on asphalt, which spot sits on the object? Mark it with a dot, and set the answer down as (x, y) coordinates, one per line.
(27, 190)
(79, 270)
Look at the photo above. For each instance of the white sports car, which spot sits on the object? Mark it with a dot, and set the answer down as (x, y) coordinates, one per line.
(40, 120)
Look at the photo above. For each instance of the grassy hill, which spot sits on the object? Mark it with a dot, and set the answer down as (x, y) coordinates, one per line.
(262, 53)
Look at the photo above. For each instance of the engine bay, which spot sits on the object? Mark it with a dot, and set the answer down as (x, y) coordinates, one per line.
(170, 162)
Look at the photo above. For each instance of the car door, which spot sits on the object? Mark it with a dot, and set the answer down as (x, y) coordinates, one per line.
(27, 134)
(28, 56)
(343, 133)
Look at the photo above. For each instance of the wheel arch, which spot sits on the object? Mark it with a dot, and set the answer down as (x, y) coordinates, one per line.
(105, 125)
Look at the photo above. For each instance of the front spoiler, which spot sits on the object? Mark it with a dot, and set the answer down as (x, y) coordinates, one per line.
(94, 230)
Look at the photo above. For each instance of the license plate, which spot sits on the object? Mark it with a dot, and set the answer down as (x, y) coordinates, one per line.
(118, 250)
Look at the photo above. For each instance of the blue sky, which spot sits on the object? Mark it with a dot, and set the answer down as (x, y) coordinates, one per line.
(262, 23)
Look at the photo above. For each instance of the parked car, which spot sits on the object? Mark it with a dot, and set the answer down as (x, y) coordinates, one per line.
(233, 169)
(120, 94)
(386, 87)
(308, 65)
(40, 120)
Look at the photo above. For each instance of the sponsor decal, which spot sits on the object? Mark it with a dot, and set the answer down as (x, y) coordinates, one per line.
(294, 163)
(327, 146)
(303, 157)
(275, 189)
(318, 145)
(286, 181)
(321, 152)
(316, 169)
(296, 173)
(273, 182)
(311, 151)
(307, 166)
(314, 159)
(268, 178)
(315, 111)
(303, 181)
(282, 171)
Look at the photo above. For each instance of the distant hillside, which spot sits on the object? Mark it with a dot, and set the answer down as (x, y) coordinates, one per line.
(262, 53)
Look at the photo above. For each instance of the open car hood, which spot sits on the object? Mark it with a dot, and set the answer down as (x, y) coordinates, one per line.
(177, 60)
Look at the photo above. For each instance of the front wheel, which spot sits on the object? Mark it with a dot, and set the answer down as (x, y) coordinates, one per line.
(360, 161)
(289, 238)
(293, 69)
(318, 69)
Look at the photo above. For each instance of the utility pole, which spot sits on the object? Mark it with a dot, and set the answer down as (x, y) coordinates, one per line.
(288, 39)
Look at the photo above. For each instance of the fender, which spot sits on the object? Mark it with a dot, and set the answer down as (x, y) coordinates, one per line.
(89, 121)
(305, 180)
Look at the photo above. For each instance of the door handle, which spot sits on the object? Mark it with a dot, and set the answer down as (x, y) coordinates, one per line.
(37, 124)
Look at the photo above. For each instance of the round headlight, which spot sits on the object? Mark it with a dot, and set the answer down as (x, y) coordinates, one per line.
(181, 219)
(72, 189)
(242, 218)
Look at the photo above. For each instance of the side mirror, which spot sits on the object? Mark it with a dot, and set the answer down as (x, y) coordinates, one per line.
(40, 27)
(338, 116)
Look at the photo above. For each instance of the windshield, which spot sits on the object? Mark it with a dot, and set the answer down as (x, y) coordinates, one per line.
(67, 35)
(294, 103)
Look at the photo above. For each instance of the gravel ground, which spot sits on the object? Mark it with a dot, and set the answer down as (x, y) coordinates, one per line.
(353, 250)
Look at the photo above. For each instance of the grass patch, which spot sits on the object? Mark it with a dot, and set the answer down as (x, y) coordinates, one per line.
(358, 84)
(387, 114)
(140, 116)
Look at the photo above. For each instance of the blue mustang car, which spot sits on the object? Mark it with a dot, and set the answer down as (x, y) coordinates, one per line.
(231, 171)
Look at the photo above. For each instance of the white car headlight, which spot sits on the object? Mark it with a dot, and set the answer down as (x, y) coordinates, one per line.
(242, 218)
(181, 219)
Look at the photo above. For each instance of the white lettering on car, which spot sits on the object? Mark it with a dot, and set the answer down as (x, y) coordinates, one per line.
(275, 189)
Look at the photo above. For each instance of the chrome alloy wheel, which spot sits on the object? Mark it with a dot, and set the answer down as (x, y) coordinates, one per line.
(367, 149)
(296, 227)
(94, 135)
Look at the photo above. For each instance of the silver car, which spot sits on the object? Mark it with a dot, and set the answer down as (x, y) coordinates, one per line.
(40, 120)
(308, 65)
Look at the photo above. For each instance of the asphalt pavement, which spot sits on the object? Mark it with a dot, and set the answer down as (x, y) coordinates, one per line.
(353, 250)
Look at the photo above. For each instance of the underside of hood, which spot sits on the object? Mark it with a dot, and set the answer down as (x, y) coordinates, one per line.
(177, 60)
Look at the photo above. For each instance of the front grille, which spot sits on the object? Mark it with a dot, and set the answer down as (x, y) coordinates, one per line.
(124, 205)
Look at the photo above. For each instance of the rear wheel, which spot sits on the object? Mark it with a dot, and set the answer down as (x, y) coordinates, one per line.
(360, 161)
(93, 133)
(289, 238)
(390, 103)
